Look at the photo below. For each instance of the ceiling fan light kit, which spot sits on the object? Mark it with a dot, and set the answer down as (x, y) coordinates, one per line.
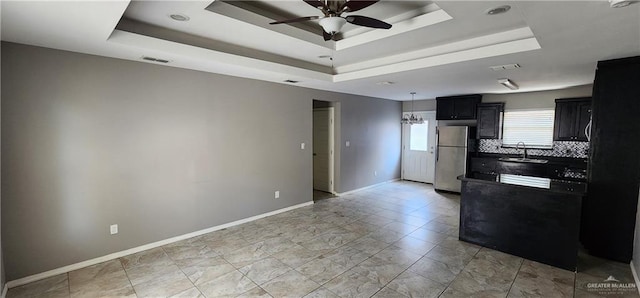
(332, 25)
(332, 22)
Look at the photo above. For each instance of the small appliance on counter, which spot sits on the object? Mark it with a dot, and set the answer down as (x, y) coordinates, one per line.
(451, 156)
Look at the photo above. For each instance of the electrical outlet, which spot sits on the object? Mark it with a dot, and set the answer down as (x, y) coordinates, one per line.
(113, 229)
(347, 144)
(277, 194)
(302, 146)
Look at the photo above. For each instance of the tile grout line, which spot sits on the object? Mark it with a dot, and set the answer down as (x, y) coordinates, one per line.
(69, 283)
(179, 268)
(516, 277)
(424, 255)
(127, 275)
(465, 266)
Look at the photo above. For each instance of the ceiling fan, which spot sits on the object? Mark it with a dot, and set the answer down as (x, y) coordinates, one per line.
(333, 20)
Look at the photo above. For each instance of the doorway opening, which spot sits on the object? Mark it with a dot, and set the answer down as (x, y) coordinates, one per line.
(323, 150)
(418, 149)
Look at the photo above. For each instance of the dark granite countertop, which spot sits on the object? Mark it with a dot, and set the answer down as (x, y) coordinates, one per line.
(580, 162)
(529, 182)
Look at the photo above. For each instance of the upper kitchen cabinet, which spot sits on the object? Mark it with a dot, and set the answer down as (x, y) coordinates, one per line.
(489, 120)
(461, 107)
(572, 118)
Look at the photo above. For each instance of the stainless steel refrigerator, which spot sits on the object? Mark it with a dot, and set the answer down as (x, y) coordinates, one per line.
(451, 157)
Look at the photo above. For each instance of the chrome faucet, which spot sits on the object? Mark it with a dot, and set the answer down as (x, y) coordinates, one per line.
(524, 155)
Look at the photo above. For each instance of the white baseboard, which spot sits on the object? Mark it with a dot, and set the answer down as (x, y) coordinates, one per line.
(76, 266)
(4, 291)
(635, 276)
(366, 187)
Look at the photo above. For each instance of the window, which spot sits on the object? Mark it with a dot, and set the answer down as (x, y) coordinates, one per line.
(533, 127)
(418, 139)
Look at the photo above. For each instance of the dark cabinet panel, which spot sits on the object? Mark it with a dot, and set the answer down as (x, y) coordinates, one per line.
(572, 117)
(522, 168)
(582, 119)
(483, 165)
(609, 212)
(461, 107)
(564, 121)
(489, 120)
(445, 109)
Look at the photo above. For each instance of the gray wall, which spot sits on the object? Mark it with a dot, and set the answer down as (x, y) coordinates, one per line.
(524, 100)
(419, 105)
(91, 141)
(538, 99)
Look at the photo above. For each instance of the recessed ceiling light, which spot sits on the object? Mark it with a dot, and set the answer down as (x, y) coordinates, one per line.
(498, 10)
(179, 17)
(385, 83)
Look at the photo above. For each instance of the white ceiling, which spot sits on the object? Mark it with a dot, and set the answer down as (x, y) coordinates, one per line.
(435, 48)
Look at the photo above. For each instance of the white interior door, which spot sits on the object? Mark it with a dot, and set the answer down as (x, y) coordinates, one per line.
(323, 149)
(418, 149)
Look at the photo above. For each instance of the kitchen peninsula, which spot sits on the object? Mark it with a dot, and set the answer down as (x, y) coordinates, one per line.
(534, 217)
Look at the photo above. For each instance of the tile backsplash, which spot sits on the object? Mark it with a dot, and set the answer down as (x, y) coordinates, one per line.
(560, 149)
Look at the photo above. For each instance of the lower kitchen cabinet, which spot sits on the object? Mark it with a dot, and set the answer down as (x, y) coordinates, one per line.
(540, 223)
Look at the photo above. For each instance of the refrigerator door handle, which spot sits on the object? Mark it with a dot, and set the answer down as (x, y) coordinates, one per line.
(437, 150)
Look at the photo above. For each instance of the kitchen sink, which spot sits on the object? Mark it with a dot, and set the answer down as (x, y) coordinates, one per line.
(526, 160)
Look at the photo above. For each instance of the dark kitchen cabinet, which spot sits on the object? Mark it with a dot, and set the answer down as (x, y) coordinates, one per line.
(489, 120)
(572, 117)
(483, 164)
(461, 107)
(522, 168)
(609, 210)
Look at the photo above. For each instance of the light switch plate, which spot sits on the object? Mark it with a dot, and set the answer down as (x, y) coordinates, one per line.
(302, 146)
(348, 144)
(113, 229)
(277, 194)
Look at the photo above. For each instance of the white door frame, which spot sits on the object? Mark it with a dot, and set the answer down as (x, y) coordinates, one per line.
(331, 141)
(432, 145)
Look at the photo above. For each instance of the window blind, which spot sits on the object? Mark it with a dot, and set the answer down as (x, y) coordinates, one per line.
(525, 180)
(533, 127)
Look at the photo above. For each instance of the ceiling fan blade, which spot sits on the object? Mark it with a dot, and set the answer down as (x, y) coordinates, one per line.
(355, 5)
(316, 3)
(326, 35)
(302, 19)
(367, 22)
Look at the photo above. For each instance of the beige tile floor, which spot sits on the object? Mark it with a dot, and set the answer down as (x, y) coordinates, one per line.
(395, 240)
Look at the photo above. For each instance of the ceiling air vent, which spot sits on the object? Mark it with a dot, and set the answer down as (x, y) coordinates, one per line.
(155, 59)
(504, 67)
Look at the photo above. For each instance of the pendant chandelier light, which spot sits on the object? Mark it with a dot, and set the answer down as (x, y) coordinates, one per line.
(411, 118)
